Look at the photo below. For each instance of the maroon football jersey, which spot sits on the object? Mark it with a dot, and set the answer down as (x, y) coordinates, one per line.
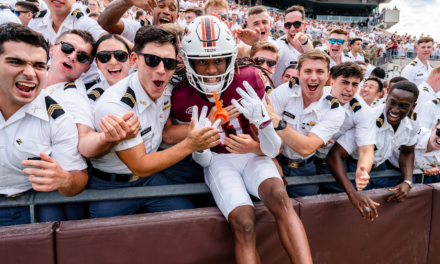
(183, 100)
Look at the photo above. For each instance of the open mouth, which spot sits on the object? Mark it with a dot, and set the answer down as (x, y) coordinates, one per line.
(437, 141)
(346, 97)
(57, 3)
(25, 88)
(66, 66)
(335, 50)
(115, 72)
(211, 80)
(313, 87)
(158, 84)
(392, 117)
(163, 20)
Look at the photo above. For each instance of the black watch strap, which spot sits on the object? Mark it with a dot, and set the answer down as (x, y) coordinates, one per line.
(281, 125)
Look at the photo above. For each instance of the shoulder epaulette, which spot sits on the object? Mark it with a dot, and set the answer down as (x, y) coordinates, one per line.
(95, 93)
(294, 80)
(326, 51)
(40, 14)
(414, 63)
(425, 89)
(78, 13)
(129, 97)
(69, 85)
(285, 40)
(380, 120)
(412, 115)
(333, 101)
(384, 101)
(436, 100)
(53, 108)
(375, 101)
(268, 89)
(5, 6)
(346, 55)
(145, 22)
(355, 105)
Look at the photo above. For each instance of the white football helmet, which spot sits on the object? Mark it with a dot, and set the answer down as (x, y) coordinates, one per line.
(207, 38)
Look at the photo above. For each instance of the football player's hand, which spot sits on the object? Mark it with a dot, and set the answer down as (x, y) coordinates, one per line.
(203, 121)
(248, 36)
(202, 138)
(253, 108)
(362, 178)
(241, 144)
(402, 192)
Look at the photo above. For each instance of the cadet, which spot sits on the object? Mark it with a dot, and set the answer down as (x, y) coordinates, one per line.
(418, 70)
(356, 50)
(429, 89)
(6, 15)
(35, 131)
(336, 43)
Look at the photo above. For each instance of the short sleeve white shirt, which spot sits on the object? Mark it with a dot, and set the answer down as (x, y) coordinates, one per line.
(416, 72)
(429, 113)
(359, 57)
(7, 16)
(288, 56)
(426, 94)
(130, 29)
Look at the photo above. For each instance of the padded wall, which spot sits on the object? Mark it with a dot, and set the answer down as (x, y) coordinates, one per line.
(434, 244)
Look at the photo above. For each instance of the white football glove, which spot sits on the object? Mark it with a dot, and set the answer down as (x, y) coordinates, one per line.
(203, 121)
(253, 108)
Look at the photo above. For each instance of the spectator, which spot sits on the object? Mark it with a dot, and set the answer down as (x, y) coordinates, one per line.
(181, 20)
(94, 16)
(191, 13)
(265, 55)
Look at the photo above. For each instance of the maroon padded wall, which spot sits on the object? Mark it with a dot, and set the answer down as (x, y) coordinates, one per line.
(24, 244)
(338, 234)
(197, 236)
(434, 244)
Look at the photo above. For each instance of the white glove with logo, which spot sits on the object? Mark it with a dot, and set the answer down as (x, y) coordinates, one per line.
(253, 108)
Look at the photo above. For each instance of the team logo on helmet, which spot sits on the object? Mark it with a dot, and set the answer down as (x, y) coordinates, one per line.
(186, 32)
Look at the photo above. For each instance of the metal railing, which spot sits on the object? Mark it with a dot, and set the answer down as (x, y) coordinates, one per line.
(88, 195)
(341, 18)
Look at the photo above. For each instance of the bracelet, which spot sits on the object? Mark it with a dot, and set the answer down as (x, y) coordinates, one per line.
(305, 43)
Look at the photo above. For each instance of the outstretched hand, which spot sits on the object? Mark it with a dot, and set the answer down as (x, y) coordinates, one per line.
(362, 178)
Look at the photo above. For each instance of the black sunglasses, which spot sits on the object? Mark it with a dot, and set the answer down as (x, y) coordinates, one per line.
(260, 61)
(81, 56)
(105, 56)
(437, 131)
(296, 24)
(153, 60)
(17, 13)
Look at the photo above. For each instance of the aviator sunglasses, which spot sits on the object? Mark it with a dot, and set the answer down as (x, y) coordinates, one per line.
(260, 61)
(295, 24)
(81, 56)
(105, 56)
(153, 60)
(333, 41)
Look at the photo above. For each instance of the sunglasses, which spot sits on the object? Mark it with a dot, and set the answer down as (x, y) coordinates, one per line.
(105, 56)
(153, 60)
(260, 61)
(437, 131)
(333, 41)
(17, 13)
(67, 49)
(296, 24)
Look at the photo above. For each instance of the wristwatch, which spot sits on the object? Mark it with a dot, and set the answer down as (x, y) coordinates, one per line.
(281, 125)
(409, 183)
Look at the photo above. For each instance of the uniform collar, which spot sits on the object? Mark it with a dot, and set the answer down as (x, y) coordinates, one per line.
(143, 100)
(37, 107)
(296, 91)
(67, 23)
(47, 20)
(420, 63)
(423, 143)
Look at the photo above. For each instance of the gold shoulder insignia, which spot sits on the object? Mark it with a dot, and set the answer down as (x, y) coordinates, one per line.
(40, 14)
(78, 13)
(379, 121)
(285, 40)
(69, 85)
(333, 101)
(326, 51)
(412, 115)
(268, 90)
(425, 89)
(355, 105)
(129, 98)
(375, 101)
(5, 6)
(53, 108)
(145, 22)
(414, 63)
(293, 81)
(95, 94)
(436, 100)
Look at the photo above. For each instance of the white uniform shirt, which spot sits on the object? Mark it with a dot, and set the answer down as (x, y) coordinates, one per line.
(323, 117)
(344, 58)
(130, 29)
(182, 23)
(288, 56)
(96, 91)
(10, 3)
(32, 130)
(359, 57)
(429, 113)
(379, 102)
(386, 139)
(72, 96)
(42, 22)
(7, 16)
(422, 159)
(152, 117)
(357, 115)
(236, 26)
(416, 72)
(426, 94)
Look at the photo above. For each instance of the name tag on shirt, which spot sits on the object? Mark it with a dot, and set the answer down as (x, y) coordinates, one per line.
(420, 74)
(145, 131)
(289, 114)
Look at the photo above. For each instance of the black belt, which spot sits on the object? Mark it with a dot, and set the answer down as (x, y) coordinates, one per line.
(295, 164)
(319, 160)
(105, 176)
(90, 84)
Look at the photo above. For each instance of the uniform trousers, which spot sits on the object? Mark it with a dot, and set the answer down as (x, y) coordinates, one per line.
(375, 183)
(306, 170)
(333, 187)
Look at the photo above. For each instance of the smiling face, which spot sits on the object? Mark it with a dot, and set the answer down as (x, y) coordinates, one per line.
(335, 49)
(189, 17)
(113, 70)
(434, 140)
(165, 12)
(424, 50)
(66, 66)
(267, 54)
(370, 91)
(398, 105)
(261, 21)
(22, 72)
(154, 79)
(289, 73)
(312, 76)
(60, 7)
(210, 67)
(293, 17)
(344, 88)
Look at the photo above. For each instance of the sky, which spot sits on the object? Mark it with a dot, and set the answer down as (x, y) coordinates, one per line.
(416, 17)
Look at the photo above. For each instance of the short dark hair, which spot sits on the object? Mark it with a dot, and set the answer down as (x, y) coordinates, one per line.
(296, 8)
(347, 69)
(110, 36)
(196, 10)
(354, 40)
(379, 82)
(139, 13)
(367, 61)
(27, 6)
(295, 67)
(360, 63)
(32, 1)
(154, 34)
(378, 72)
(20, 33)
(398, 79)
(85, 35)
(255, 10)
(406, 86)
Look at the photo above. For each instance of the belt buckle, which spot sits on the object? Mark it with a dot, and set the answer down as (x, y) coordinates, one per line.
(293, 164)
(133, 178)
(14, 195)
